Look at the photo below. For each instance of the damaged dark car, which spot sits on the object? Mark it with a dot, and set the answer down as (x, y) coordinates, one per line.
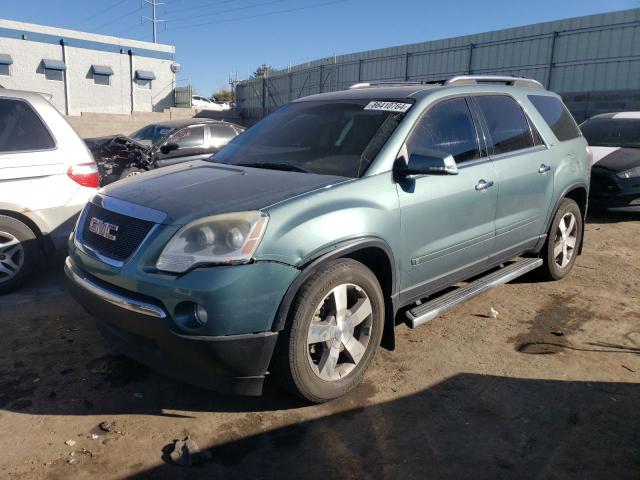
(614, 139)
(159, 145)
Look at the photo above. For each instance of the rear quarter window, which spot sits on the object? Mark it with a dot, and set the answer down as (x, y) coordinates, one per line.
(556, 115)
(21, 129)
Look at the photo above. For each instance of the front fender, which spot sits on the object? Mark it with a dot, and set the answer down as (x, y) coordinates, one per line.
(305, 227)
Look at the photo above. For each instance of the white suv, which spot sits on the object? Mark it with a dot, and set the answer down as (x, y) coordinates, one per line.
(46, 177)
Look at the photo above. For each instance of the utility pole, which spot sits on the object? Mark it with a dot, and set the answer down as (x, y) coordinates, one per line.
(154, 18)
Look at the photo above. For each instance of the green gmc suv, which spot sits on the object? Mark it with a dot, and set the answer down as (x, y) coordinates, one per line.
(296, 249)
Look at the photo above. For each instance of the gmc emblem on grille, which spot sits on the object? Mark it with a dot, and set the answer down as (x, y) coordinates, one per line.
(104, 229)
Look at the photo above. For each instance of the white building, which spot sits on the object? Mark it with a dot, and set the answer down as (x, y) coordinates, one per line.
(85, 72)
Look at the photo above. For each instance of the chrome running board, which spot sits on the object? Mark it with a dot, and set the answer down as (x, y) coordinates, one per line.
(431, 309)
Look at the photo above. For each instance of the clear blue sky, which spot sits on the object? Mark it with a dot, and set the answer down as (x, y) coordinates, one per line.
(215, 38)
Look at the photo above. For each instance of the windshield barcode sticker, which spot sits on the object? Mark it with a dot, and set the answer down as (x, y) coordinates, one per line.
(388, 106)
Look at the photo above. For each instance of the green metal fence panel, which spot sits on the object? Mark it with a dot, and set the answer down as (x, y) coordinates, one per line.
(596, 53)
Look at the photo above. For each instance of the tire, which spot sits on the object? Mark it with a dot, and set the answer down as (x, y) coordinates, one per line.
(131, 172)
(305, 369)
(559, 254)
(19, 254)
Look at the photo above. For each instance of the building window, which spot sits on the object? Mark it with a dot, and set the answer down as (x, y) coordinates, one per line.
(144, 79)
(54, 69)
(144, 84)
(99, 79)
(5, 62)
(51, 74)
(101, 74)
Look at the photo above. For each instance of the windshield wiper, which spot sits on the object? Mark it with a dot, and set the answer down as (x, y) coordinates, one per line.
(274, 166)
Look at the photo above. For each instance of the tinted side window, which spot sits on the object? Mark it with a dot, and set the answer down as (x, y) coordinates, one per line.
(189, 137)
(556, 115)
(612, 132)
(21, 129)
(221, 133)
(507, 124)
(447, 127)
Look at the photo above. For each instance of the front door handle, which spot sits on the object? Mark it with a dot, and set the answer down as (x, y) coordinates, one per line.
(544, 168)
(483, 185)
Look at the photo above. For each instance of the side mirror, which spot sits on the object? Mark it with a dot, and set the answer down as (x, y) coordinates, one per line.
(427, 162)
(168, 147)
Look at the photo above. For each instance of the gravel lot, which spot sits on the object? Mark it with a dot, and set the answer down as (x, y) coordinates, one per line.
(549, 389)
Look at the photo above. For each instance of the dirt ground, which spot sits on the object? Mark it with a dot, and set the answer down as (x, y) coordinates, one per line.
(548, 389)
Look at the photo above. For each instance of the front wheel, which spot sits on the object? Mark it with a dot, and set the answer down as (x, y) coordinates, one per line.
(131, 172)
(334, 329)
(563, 241)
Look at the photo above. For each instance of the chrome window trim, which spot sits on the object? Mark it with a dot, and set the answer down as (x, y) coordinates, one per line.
(522, 151)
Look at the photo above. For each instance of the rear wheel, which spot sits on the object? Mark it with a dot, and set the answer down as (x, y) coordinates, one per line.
(563, 241)
(19, 253)
(335, 328)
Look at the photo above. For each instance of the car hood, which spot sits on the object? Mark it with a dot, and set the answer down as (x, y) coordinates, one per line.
(193, 190)
(615, 159)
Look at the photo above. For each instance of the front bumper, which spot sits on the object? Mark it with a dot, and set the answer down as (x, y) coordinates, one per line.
(608, 192)
(143, 329)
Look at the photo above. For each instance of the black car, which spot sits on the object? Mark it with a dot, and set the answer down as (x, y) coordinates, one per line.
(159, 145)
(614, 139)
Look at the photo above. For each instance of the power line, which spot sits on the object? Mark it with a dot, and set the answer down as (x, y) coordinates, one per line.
(260, 15)
(90, 17)
(130, 29)
(190, 17)
(198, 7)
(117, 18)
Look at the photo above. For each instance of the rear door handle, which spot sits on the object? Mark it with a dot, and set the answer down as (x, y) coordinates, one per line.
(483, 185)
(544, 168)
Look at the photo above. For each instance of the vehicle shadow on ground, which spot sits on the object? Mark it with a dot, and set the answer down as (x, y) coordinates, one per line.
(600, 217)
(469, 426)
(53, 361)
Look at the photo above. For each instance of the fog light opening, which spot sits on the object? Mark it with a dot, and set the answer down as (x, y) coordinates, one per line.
(200, 315)
(191, 315)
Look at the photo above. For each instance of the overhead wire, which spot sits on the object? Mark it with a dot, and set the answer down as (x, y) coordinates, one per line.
(198, 7)
(117, 18)
(254, 5)
(277, 12)
(100, 12)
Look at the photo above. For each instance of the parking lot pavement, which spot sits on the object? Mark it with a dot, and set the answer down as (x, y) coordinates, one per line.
(548, 389)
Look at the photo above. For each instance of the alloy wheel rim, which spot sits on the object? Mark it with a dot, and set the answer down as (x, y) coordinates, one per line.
(566, 240)
(11, 256)
(340, 332)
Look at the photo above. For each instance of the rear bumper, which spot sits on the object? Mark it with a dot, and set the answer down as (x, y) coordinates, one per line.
(143, 330)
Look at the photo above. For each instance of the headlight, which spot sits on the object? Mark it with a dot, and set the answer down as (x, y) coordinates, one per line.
(631, 173)
(227, 238)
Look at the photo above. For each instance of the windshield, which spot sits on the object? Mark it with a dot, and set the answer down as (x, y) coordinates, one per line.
(152, 133)
(612, 132)
(325, 137)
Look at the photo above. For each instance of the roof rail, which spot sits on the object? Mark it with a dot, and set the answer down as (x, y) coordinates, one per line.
(357, 86)
(476, 79)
